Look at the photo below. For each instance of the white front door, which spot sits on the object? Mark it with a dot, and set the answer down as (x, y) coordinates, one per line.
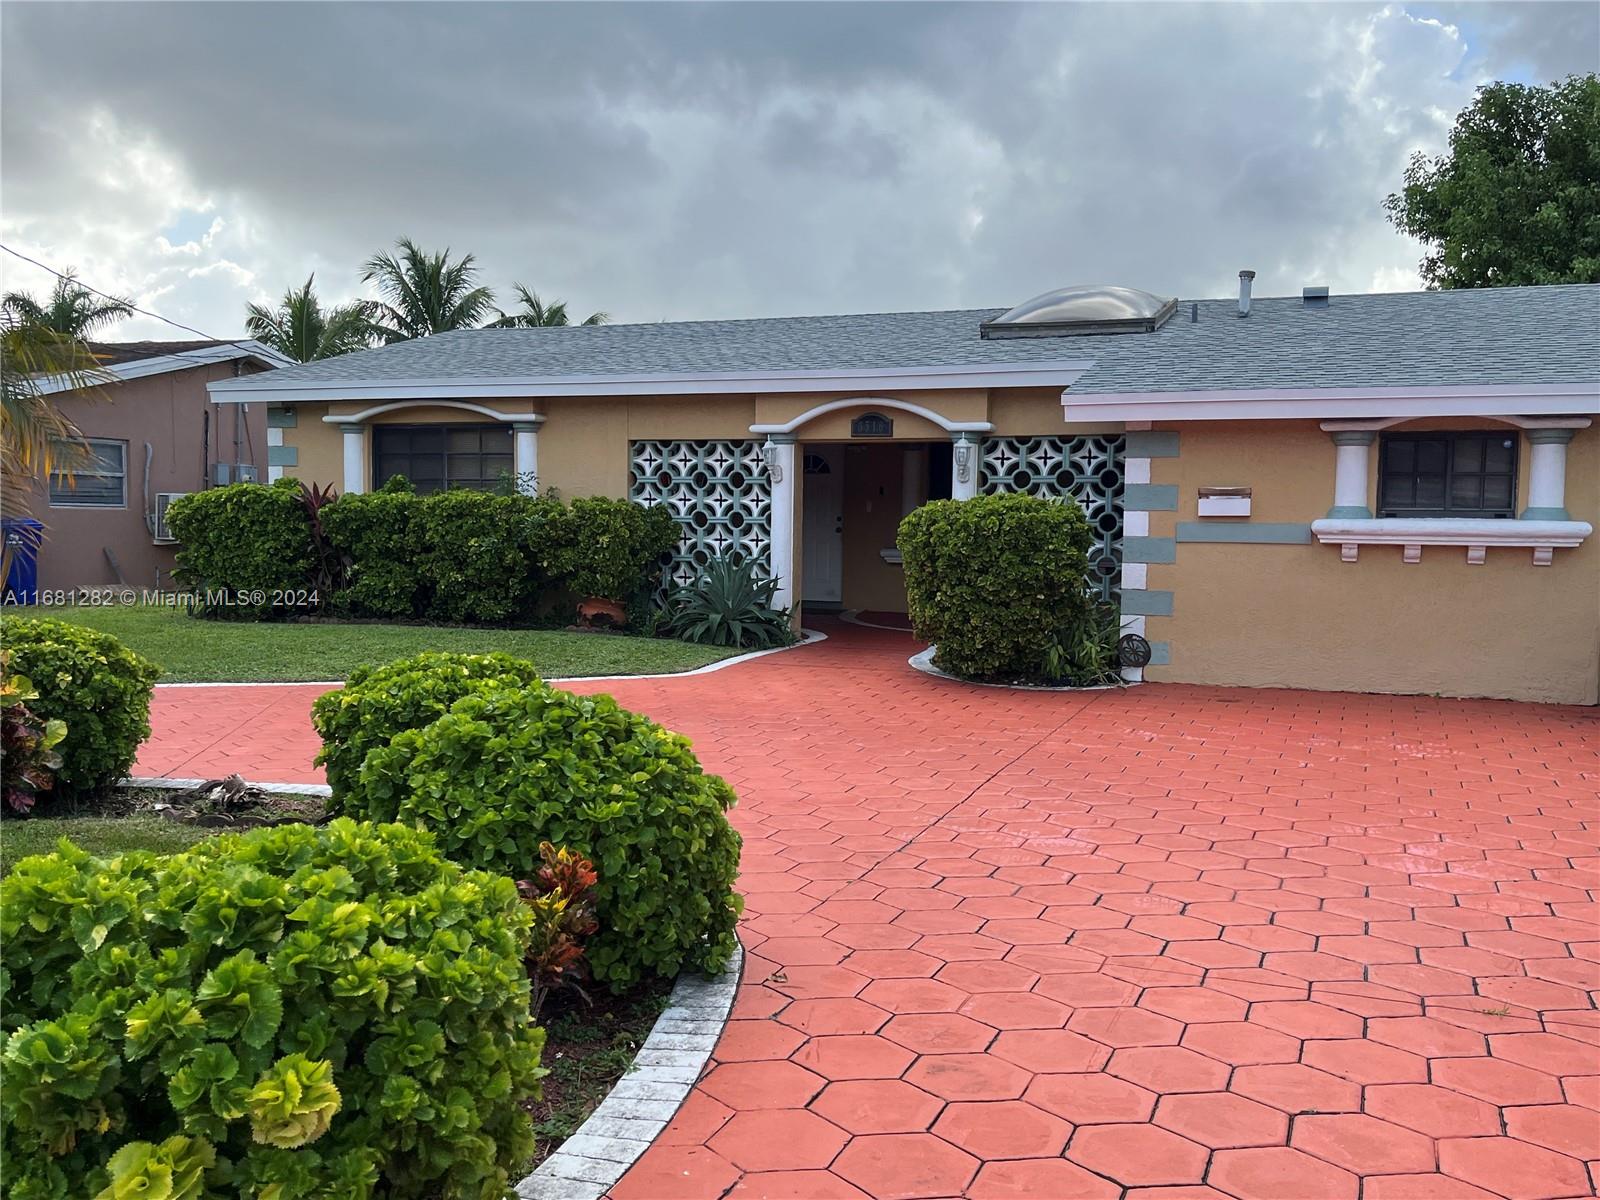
(822, 525)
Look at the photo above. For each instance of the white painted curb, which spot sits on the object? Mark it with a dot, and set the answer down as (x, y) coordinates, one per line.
(638, 1108)
(924, 663)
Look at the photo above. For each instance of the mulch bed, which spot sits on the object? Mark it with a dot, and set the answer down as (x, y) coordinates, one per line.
(589, 1047)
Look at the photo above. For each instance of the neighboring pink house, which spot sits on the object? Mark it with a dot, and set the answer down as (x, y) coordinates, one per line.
(155, 433)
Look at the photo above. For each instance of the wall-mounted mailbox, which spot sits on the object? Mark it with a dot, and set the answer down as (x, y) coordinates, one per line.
(1224, 502)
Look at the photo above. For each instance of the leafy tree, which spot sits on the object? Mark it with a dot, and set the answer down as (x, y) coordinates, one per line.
(536, 313)
(1517, 199)
(425, 293)
(72, 310)
(301, 329)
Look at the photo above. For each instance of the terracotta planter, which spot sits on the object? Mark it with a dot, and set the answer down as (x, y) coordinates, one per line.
(600, 613)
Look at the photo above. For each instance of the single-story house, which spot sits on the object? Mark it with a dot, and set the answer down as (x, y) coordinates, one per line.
(154, 433)
(1384, 493)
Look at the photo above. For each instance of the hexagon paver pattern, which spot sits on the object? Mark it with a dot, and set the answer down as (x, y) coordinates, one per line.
(1169, 941)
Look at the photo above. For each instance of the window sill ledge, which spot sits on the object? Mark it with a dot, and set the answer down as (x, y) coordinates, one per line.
(1476, 534)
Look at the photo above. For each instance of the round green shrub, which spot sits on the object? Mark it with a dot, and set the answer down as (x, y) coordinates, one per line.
(246, 539)
(378, 702)
(297, 1012)
(506, 769)
(993, 580)
(94, 683)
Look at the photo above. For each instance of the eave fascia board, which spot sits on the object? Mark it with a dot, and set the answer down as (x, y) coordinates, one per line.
(1041, 374)
(161, 364)
(1267, 404)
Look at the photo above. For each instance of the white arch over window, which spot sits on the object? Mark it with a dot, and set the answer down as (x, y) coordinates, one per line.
(874, 402)
(367, 414)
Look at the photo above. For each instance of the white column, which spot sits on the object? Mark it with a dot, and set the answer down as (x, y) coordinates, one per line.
(526, 463)
(913, 478)
(964, 466)
(1547, 475)
(779, 454)
(1350, 477)
(355, 458)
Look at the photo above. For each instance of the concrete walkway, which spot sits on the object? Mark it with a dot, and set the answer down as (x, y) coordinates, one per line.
(1169, 942)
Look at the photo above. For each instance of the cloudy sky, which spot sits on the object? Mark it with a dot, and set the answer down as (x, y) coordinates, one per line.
(675, 160)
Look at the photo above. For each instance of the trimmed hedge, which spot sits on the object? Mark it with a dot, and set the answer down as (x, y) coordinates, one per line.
(295, 1012)
(94, 683)
(378, 702)
(373, 533)
(243, 539)
(515, 762)
(463, 557)
(611, 548)
(993, 581)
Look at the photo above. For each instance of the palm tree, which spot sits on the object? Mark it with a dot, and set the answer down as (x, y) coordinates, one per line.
(300, 329)
(536, 313)
(425, 293)
(37, 440)
(72, 310)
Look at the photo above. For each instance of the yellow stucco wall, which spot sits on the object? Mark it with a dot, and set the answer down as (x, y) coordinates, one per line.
(1297, 616)
(1253, 615)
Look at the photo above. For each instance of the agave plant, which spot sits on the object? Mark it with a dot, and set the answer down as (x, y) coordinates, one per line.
(729, 605)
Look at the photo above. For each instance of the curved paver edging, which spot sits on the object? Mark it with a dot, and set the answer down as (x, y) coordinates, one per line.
(638, 1108)
(808, 637)
(924, 663)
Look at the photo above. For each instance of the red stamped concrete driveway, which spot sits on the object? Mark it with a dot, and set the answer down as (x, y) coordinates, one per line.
(1170, 942)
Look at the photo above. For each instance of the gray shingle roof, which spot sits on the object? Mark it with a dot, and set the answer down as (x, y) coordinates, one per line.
(1412, 339)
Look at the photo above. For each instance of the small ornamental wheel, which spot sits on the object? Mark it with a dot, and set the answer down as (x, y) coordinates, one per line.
(1133, 650)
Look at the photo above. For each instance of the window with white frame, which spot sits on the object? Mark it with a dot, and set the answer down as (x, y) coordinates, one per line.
(100, 483)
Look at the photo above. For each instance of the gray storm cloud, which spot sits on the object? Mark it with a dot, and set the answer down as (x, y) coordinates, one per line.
(667, 161)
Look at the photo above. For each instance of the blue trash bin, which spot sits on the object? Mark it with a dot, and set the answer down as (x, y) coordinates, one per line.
(22, 537)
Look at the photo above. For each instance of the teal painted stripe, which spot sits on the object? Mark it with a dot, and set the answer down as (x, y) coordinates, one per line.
(1259, 532)
(283, 456)
(1150, 497)
(1152, 443)
(1160, 654)
(1147, 604)
(1149, 550)
(282, 418)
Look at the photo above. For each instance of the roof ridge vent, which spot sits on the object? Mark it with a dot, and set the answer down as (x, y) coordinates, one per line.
(1083, 309)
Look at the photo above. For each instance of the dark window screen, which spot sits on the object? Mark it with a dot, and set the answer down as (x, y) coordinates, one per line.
(1447, 474)
(436, 457)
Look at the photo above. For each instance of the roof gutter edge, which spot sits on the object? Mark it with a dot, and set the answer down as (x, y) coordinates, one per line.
(1473, 400)
(1062, 373)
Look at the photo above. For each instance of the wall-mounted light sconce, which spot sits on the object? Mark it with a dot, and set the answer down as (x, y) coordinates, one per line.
(963, 453)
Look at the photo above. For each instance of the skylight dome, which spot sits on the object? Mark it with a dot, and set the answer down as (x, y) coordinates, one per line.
(1083, 308)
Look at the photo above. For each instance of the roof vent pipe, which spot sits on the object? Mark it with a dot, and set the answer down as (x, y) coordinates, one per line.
(1244, 292)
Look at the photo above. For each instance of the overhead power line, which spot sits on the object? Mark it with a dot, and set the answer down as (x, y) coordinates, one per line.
(244, 344)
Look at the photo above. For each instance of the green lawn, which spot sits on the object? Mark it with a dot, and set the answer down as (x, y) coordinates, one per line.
(98, 835)
(195, 651)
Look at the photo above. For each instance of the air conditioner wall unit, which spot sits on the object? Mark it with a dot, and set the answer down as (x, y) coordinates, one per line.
(162, 534)
(226, 473)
